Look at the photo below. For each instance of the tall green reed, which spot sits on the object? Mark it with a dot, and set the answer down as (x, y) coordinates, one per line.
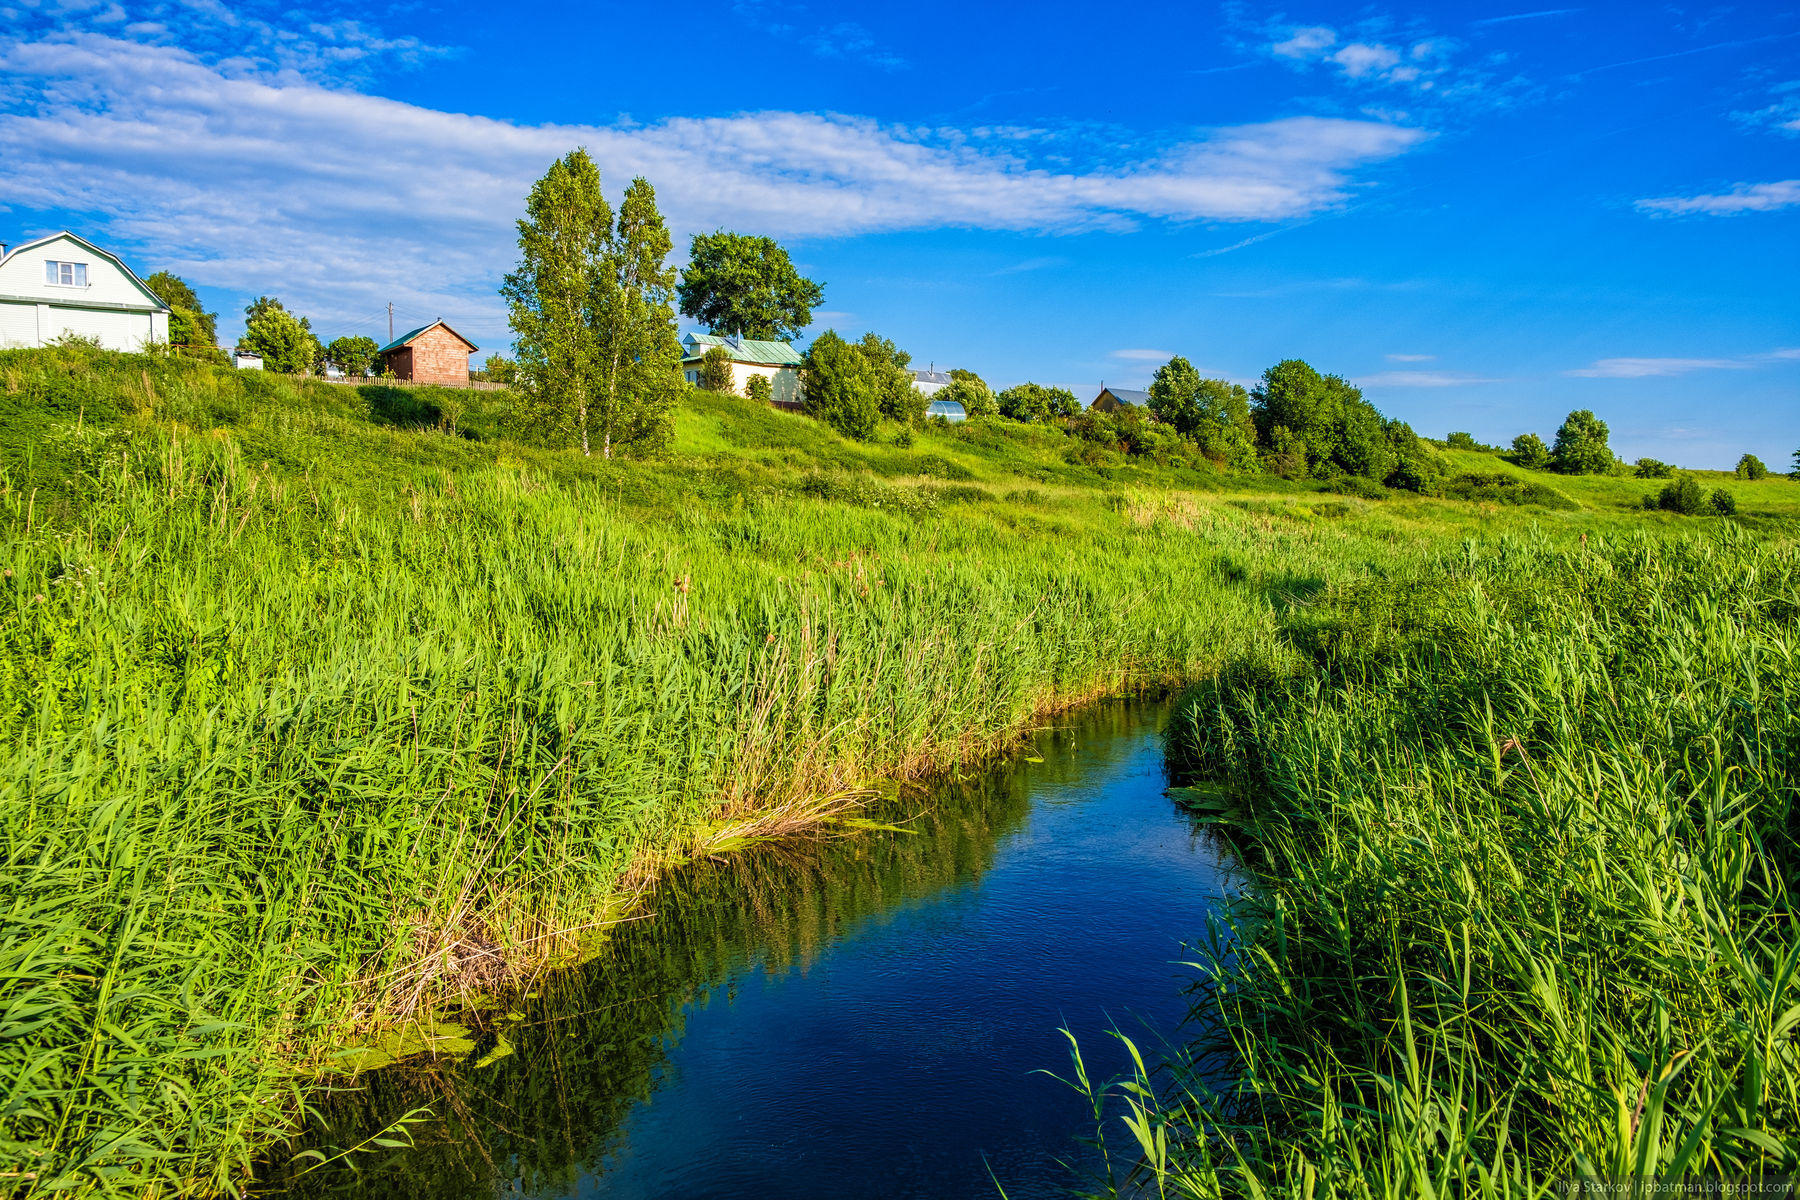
(1523, 830)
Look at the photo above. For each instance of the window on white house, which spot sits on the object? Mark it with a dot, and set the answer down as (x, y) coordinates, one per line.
(65, 274)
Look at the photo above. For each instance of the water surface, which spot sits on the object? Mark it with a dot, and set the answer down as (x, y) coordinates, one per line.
(846, 1016)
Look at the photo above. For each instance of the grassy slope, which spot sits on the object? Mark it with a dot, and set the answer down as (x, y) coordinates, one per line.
(315, 715)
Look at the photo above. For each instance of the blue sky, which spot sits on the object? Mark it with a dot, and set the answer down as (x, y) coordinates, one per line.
(1484, 214)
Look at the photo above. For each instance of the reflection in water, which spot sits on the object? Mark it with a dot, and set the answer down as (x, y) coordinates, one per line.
(835, 1016)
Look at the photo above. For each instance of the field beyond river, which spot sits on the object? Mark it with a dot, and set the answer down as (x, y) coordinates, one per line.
(329, 711)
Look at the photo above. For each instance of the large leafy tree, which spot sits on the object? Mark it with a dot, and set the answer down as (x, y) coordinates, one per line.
(898, 399)
(1581, 447)
(1751, 467)
(352, 355)
(1213, 413)
(202, 332)
(598, 362)
(1037, 402)
(843, 388)
(969, 390)
(745, 286)
(1324, 418)
(286, 342)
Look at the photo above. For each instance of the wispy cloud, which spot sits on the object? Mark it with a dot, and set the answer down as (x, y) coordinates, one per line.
(1646, 368)
(1419, 379)
(1143, 356)
(849, 40)
(1783, 115)
(193, 162)
(1743, 198)
(1372, 56)
(1526, 16)
(1032, 264)
(1410, 357)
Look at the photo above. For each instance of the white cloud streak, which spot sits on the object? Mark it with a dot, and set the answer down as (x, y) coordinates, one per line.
(1419, 379)
(1645, 368)
(1410, 357)
(341, 201)
(1744, 198)
(1144, 356)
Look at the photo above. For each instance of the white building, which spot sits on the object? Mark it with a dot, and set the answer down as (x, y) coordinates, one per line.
(62, 284)
(779, 362)
(933, 380)
(249, 360)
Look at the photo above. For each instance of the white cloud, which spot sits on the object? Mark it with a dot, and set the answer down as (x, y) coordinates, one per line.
(341, 201)
(1360, 59)
(1410, 357)
(1146, 356)
(1744, 198)
(1419, 379)
(1643, 368)
(1308, 42)
(1369, 57)
(1782, 116)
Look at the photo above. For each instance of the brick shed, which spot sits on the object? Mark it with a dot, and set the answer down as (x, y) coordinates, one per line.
(433, 353)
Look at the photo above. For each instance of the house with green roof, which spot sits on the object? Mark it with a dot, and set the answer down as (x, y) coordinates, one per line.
(778, 361)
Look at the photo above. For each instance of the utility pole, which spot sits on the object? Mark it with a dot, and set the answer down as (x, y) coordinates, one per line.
(390, 320)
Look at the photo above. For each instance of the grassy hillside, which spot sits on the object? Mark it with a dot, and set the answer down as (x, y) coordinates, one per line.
(322, 707)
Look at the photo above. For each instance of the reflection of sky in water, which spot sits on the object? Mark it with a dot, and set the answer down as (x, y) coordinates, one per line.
(880, 1034)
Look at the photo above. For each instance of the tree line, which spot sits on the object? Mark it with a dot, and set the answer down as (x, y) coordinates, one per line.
(597, 363)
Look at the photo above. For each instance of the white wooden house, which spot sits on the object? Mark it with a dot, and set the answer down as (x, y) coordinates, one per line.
(779, 362)
(63, 284)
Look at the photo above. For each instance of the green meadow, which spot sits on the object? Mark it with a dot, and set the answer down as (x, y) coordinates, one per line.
(327, 710)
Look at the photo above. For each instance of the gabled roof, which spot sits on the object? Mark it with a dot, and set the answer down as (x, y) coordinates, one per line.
(931, 377)
(1124, 395)
(744, 350)
(115, 260)
(407, 339)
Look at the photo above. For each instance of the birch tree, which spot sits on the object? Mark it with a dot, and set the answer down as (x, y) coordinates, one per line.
(643, 357)
(554, 297)
(592, 308)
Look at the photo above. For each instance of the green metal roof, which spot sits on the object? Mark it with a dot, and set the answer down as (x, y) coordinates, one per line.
(404, 338)
(408, 336)
(744, 350)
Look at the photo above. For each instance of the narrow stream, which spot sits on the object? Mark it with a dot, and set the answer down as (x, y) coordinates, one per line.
(861, 1016)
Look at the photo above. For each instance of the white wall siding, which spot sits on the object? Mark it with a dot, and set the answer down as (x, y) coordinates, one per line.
(18, 325)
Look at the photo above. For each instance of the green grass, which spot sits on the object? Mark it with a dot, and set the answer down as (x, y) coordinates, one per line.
(1525, 831)
(322, 707)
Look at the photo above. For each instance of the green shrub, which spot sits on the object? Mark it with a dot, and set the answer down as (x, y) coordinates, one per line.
(1652, 468)
(1751, 467)
(716, 370)
(843, 388)
(1529, 451)
(1499, 488)
(1683, 495)
(1724, 503)
(759, 389)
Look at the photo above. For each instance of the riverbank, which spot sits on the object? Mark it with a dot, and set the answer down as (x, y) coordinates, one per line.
(322, 706)
(1525, 841)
